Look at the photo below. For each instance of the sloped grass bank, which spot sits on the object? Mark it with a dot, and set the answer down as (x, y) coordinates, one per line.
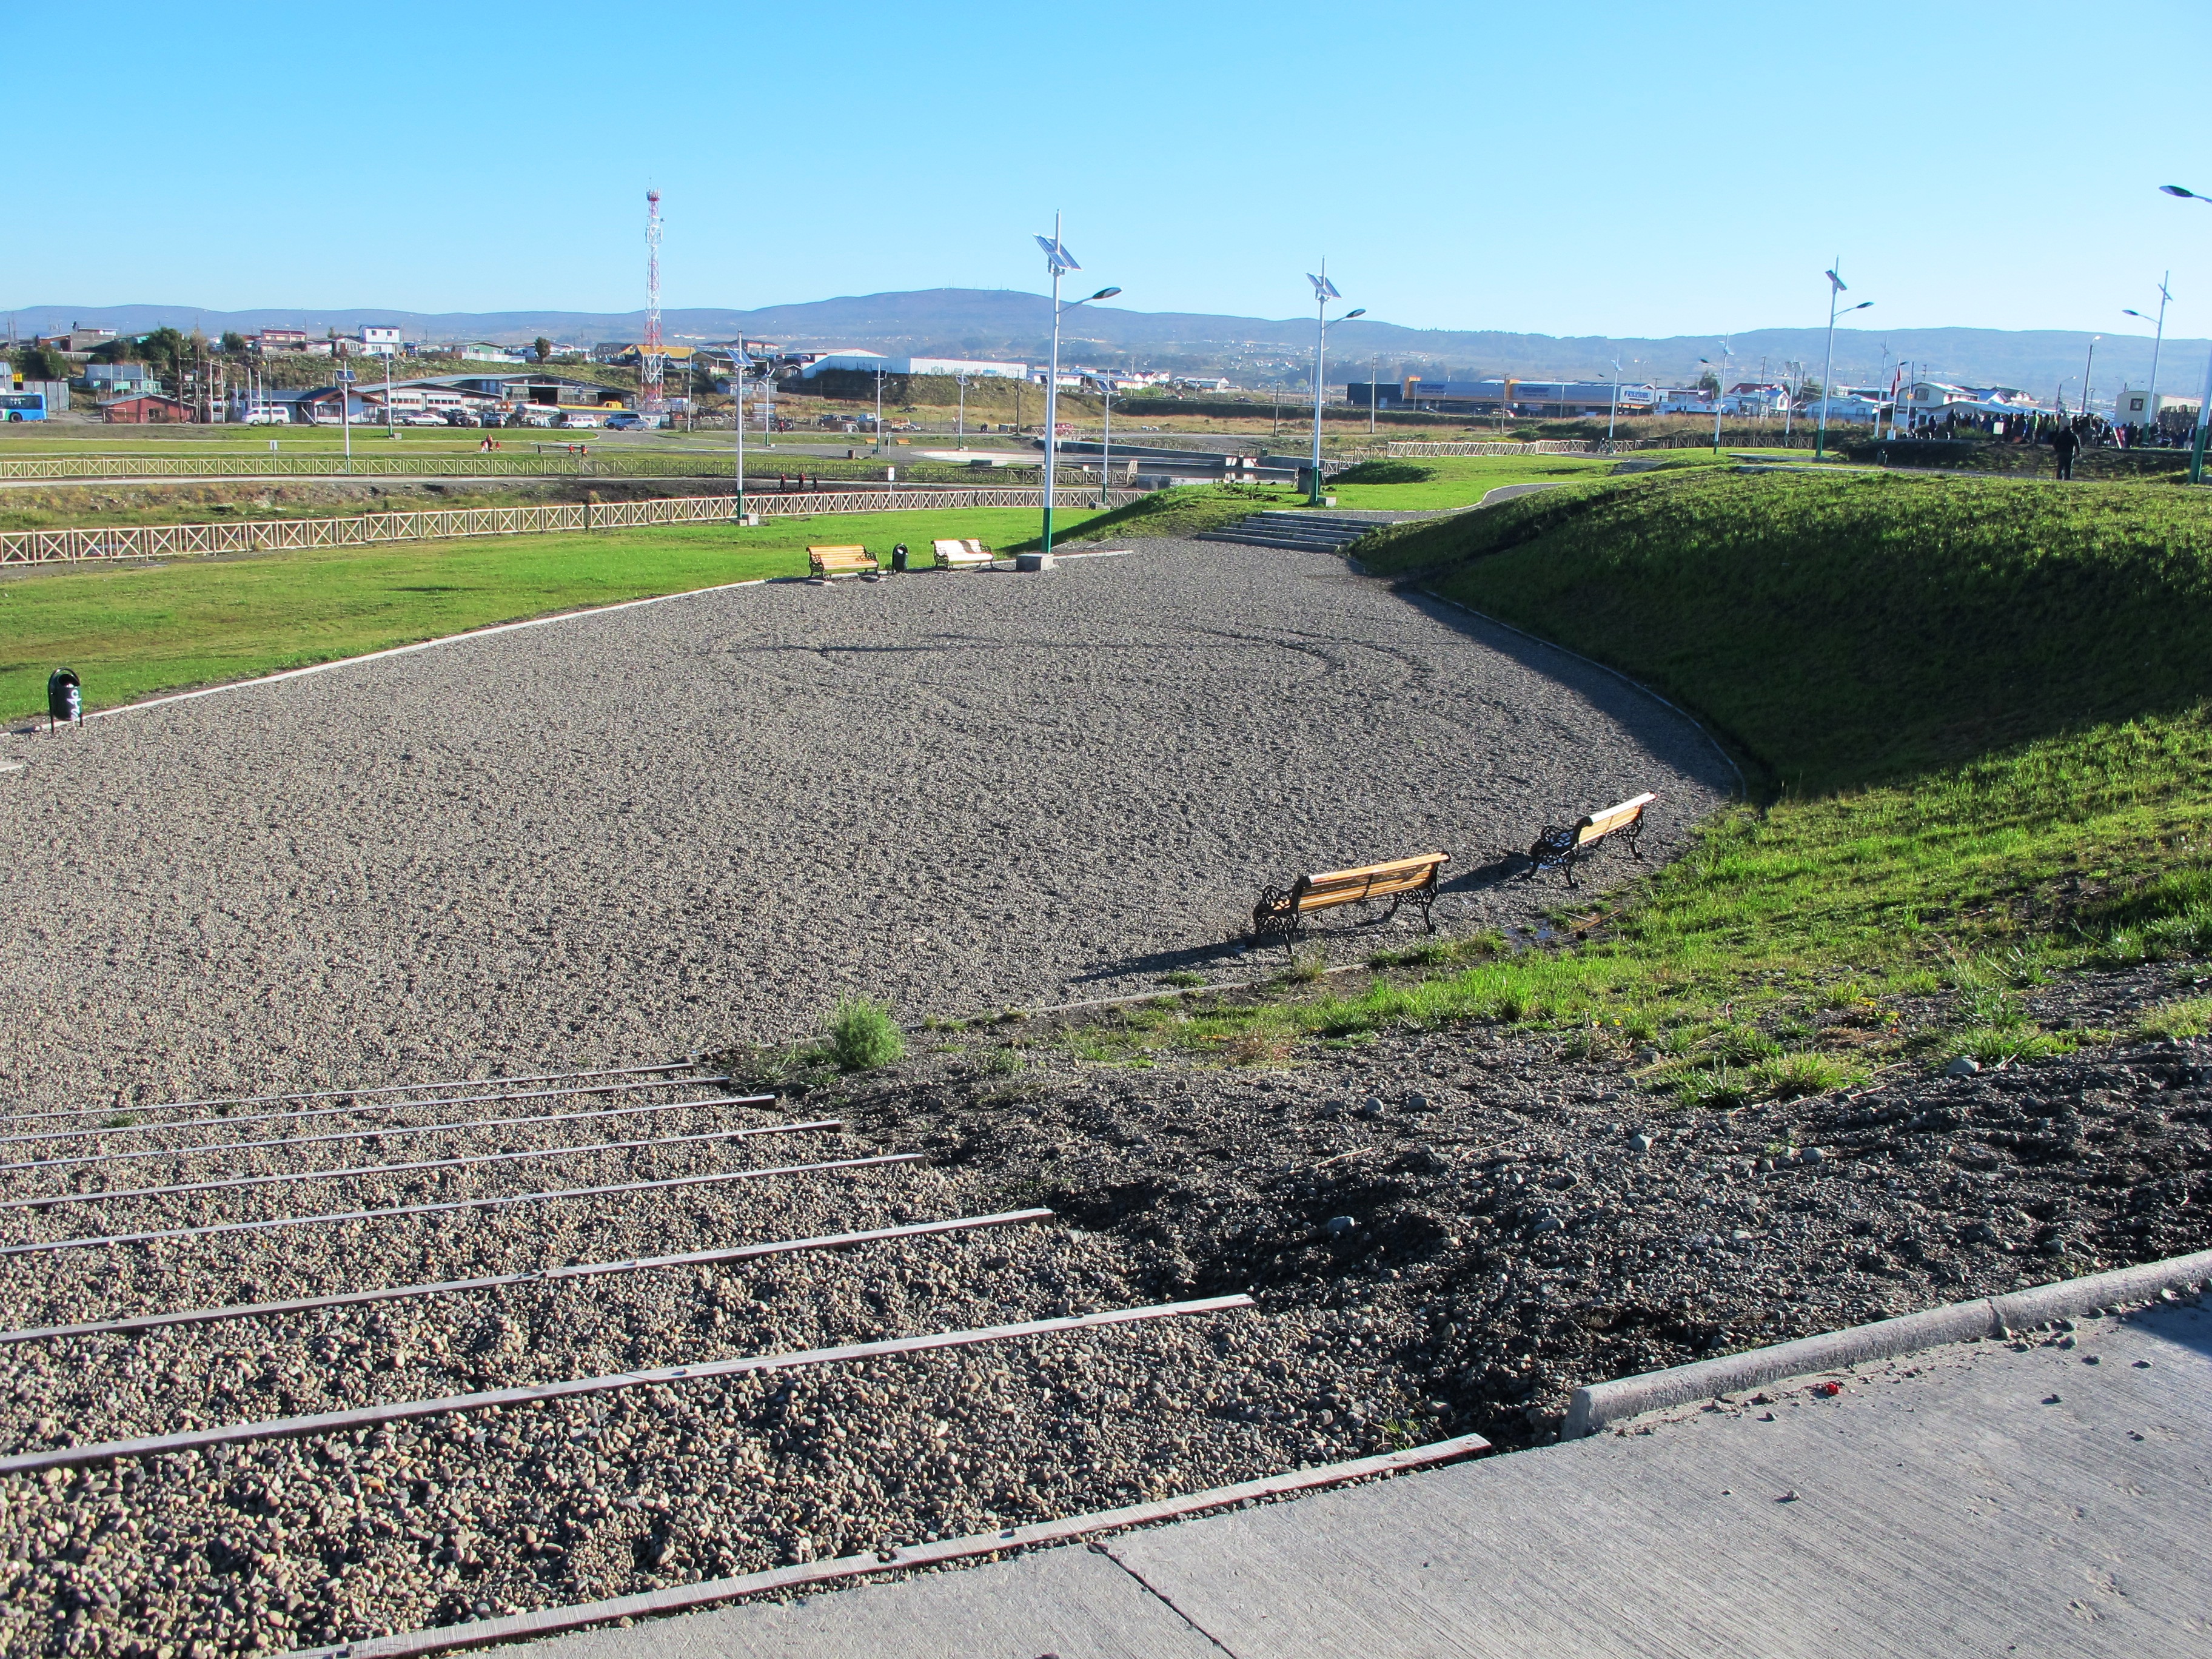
(1983, 719)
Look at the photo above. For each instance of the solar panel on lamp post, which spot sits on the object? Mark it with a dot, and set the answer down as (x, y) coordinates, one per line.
(1324, 291)
(1060, 261)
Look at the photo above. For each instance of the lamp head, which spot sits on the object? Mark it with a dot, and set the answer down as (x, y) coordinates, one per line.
(1349, 315)
(2176, 189)
(1104, 294)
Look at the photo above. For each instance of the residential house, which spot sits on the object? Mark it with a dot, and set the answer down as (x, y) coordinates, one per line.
(1755, 398)
(119, 379)
(281, 339)
(149, 410)
(380, 340)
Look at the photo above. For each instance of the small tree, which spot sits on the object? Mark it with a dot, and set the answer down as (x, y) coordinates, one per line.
(233, 341)
(543, 347)
(38, 363)
(1709, 381)
(164, 351)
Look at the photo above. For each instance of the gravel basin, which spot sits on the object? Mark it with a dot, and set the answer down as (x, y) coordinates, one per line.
(653, 831)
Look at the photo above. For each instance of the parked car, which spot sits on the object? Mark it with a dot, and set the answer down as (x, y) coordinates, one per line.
(578, 420)
(628, 420)
(421, 418)
(533, 414)
(266, 416)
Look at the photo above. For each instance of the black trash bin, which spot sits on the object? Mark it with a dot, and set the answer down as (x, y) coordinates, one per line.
(64, 698)
(899, 555)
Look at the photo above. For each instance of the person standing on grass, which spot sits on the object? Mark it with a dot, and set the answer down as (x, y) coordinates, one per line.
(2063, 443)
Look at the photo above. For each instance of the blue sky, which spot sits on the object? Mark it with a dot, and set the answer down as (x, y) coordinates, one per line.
(1605, 168)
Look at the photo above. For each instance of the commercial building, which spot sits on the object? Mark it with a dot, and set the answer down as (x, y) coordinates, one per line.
(379, 340)
(868, 363)
(1504, 394)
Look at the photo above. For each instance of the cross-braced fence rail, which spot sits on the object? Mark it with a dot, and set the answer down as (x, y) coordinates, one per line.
(444, 524)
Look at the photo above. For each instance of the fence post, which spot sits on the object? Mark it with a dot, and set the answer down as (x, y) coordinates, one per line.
(591, 501)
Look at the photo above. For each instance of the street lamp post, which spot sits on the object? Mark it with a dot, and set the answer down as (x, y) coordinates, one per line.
(2086, 363)
(961, 428)
(1720, 387)
(1373, 363)
(2158, 340)
(879, 411)
(739, 364)
(1835, 286)
(1324, 291)
(2205, 404)
(1060, 261)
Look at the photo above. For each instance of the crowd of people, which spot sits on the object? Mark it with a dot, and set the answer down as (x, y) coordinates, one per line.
(2087, 431)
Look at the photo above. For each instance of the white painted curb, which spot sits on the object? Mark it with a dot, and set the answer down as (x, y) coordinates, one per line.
(1601, 1403)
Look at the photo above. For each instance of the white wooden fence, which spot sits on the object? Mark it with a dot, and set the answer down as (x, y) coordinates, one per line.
(441, 524)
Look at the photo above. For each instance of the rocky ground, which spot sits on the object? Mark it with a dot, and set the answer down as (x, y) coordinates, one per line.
(1444, 1231)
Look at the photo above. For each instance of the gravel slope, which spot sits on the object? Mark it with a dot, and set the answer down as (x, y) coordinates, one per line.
(659, 830)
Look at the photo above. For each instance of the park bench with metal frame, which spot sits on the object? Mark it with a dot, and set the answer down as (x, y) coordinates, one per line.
(1563, 848)
(1279, 917)
(952, 555)
(830, 561)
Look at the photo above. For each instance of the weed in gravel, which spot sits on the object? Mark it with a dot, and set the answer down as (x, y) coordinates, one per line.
(1306, 967)
(2189, 1018)
(1258, 1047)
(1001, 1062)
(862, 1036)
(1792, 1077)
(1717, 1086)
(1182, 976)
(1992, 1045)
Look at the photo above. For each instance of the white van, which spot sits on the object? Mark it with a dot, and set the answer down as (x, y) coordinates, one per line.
(579, 420)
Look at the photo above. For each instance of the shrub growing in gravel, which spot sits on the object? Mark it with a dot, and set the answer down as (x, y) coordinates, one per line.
(863, 1036)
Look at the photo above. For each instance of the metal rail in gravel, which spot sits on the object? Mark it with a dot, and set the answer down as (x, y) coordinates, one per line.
(342, 1111)
(388, 1133)
(443, 1206)
(334, 1094)
(676, 1598)
(283, 1428)
(539, 1276)
(47, 1200)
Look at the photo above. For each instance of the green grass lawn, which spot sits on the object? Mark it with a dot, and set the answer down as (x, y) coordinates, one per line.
(1978, 716)
(131, 632)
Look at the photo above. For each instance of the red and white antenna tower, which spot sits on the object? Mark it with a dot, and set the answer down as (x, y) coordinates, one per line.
(652, 354)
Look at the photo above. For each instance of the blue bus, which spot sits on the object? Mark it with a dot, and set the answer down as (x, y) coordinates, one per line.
(24, 405)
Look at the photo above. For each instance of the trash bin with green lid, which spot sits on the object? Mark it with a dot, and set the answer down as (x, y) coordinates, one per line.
(64, 698)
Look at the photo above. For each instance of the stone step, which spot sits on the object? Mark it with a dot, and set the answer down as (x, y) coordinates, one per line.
(1317, 533)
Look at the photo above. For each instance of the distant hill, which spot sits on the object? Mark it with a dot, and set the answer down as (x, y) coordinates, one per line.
(1254, 350)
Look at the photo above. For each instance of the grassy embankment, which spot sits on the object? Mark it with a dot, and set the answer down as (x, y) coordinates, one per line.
(1975, 717)
(133, 631)
(1405, 487)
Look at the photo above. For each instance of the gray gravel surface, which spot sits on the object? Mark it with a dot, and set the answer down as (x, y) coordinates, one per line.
(1445, 1231)
(654, 831)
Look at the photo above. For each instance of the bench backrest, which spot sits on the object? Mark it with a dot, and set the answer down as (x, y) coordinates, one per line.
(943, 548)
(842, 558)
(1335, 887)
(975, 546)
(1598, 825)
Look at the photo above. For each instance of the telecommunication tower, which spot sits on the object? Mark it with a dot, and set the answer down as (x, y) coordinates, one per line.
(651, 354)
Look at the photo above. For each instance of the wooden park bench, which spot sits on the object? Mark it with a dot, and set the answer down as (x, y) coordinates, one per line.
(1280, 915)
(829, 561)
(952, 555)
(1562, 849)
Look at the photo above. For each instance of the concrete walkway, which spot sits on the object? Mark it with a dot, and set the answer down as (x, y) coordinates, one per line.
(1987, 1499)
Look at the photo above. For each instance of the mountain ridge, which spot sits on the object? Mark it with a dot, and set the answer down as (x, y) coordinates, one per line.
(1005, 323)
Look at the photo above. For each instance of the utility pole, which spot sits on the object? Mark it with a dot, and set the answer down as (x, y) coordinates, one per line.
(961, 429)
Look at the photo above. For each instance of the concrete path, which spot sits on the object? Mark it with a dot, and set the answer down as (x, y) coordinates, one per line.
(1988, 1498)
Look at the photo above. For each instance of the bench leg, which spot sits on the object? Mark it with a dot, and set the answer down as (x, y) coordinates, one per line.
(1634, 836)
(1427, 898)
(1568, 865)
